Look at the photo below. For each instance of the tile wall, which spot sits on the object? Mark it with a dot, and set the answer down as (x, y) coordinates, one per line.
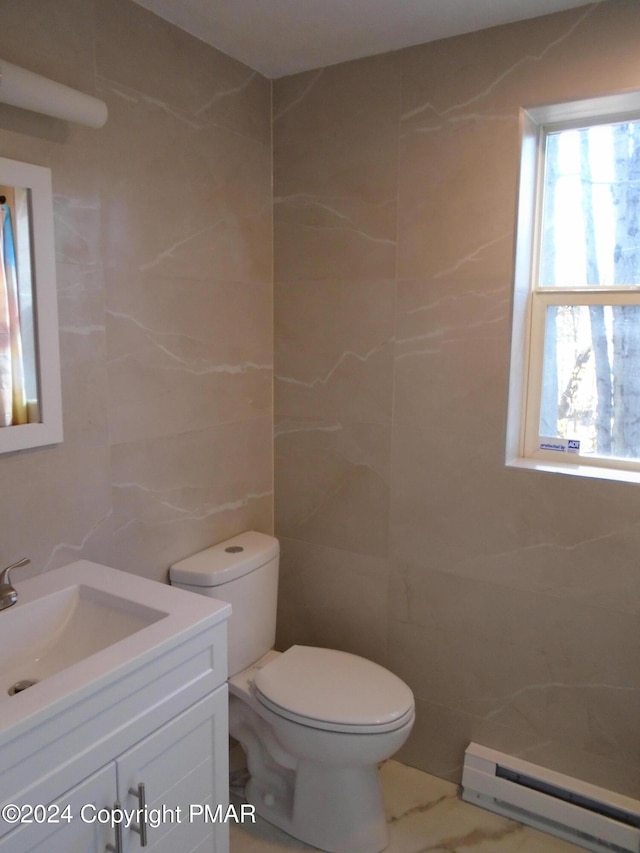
(163, 230)
(509, 600)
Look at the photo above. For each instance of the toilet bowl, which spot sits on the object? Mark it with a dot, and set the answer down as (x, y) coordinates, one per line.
(313, 711)
(314, 723)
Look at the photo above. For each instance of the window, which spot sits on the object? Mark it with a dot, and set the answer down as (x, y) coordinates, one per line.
(575, 367)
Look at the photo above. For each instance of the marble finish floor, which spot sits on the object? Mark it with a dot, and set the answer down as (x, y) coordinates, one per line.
(425, 815)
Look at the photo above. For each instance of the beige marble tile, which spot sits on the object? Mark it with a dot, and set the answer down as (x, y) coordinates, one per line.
(196, 323)
(154, 399)
(437, 477)
(484, 74)
(334, 350)
(176, 495)
(480, 678)
(335, 131)
(456, 220)
(332, 237)
(451, 341)
(332, 480)
(53, 39)
(199, 82)
(441, 735)
(574, 636)
(555, 547)
(55, 506)
(531, 663)
(335, 161)
(81, 320)
(206, 207)
(572, 538)
(185, 355)
(334, 599)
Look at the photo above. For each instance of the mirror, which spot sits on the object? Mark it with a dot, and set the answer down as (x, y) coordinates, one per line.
(30, 398)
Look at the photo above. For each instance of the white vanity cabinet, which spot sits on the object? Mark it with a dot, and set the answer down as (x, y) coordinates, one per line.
(182, 765)
(72, 836)
(142, 726)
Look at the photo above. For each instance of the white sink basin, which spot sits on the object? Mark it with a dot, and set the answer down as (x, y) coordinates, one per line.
(44, 636)
(77, 629)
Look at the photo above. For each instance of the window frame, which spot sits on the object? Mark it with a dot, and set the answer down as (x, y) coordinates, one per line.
(530, 301)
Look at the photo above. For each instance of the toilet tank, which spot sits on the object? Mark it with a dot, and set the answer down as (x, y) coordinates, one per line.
(244, 572)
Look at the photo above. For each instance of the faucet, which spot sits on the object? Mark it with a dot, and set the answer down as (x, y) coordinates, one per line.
(8, 594)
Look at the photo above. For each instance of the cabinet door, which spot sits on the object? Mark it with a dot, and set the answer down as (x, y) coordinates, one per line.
(183, 767)
(69, 825)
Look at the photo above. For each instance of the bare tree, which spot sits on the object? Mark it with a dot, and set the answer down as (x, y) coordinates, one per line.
(604, 410)
(550, 390)
(626, 318)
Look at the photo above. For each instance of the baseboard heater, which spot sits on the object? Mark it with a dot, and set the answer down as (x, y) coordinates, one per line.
(583, 814)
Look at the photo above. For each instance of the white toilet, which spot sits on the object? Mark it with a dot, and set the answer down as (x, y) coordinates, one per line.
(314, 723)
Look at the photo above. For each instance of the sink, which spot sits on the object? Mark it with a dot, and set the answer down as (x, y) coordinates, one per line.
(86, 628)
(62, 628)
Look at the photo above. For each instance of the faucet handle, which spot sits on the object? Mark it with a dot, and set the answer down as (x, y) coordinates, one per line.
(4, 574)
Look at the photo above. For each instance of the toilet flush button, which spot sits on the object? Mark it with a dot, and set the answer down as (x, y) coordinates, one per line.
(234, 549)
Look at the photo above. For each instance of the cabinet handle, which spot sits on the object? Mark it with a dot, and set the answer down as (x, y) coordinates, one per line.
(118, 831)
(142, 799)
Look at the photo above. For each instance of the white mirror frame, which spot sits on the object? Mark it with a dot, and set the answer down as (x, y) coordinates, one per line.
(37, 179)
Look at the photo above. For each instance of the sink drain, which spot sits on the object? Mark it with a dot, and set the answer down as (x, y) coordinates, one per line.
(19, 686)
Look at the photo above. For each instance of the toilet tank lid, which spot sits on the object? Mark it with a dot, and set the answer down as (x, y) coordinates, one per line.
(226, 561)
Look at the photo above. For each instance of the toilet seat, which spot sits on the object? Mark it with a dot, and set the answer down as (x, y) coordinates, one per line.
(334, 691)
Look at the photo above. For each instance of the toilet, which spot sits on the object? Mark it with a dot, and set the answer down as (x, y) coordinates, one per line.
(314, 723)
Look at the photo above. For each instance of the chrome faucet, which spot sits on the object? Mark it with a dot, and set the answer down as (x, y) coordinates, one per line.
(8, 594)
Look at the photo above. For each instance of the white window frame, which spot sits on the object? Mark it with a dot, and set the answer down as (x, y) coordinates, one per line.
(530, 302)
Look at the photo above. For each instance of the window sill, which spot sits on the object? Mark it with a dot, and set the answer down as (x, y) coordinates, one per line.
(598, 473)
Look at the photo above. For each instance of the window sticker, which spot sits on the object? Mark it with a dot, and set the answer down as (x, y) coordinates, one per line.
(560, 445)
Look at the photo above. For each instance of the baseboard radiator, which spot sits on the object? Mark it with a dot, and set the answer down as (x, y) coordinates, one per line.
(583, 814)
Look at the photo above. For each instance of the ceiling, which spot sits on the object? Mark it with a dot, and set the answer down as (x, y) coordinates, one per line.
(280, 37)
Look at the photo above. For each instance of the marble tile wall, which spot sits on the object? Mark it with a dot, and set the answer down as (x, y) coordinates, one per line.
(509, 600)
(163, 224)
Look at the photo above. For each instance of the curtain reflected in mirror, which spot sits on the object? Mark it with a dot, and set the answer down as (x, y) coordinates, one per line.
(18, 375)
(30, 394)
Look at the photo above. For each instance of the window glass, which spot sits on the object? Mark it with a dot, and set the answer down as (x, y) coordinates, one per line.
(591, 207)
(591, 379)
